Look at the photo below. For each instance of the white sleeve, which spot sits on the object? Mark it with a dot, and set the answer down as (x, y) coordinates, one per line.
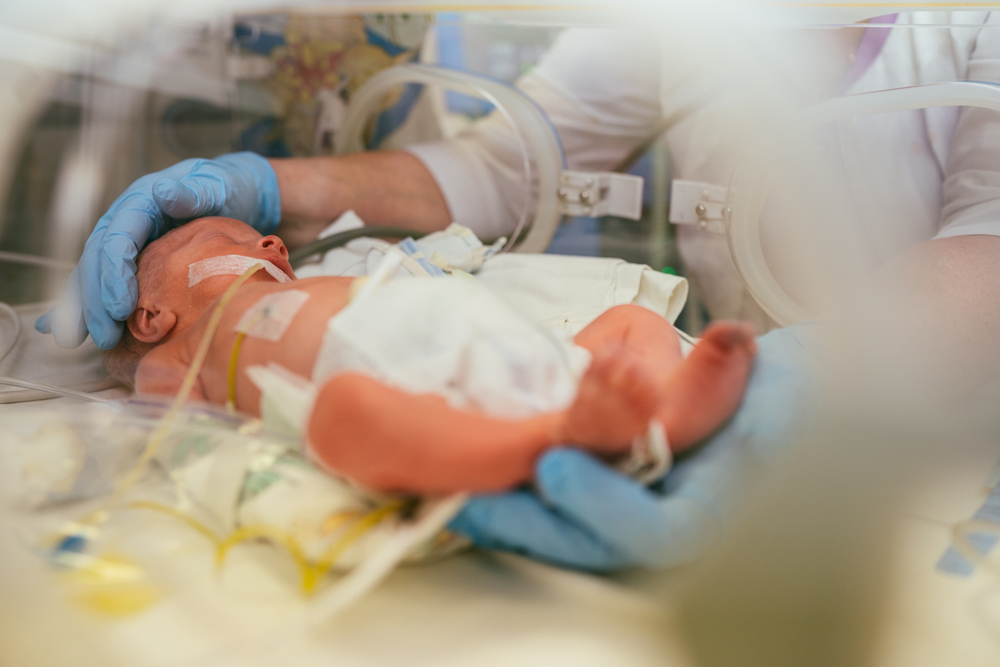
(599, 87)
(972, 175)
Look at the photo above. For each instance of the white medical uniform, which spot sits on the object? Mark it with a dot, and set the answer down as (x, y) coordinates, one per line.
(605, 91)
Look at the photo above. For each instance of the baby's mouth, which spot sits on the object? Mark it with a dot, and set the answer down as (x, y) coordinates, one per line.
(284, 266)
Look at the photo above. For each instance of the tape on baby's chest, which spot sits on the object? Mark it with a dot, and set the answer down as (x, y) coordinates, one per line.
(271, 315)
(267, 319)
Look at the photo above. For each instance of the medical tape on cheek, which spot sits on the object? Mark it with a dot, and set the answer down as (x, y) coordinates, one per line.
(271, 315)
(230, 265)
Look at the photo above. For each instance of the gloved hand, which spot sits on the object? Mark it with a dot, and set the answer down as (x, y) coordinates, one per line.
(587, 516)
(102, 291)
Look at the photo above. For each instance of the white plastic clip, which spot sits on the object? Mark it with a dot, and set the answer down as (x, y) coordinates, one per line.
(651, 457)
(698, 203)
(592, 195)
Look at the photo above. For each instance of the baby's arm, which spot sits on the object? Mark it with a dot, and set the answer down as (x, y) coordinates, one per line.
(390, 440)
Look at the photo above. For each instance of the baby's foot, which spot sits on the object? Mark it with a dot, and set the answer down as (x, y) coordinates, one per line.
(706, 388)
(617, 397)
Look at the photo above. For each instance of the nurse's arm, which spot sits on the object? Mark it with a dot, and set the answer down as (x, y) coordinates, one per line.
(943, 296)
(383, 188)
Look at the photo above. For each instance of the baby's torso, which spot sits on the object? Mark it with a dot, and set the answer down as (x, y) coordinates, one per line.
(449, 336)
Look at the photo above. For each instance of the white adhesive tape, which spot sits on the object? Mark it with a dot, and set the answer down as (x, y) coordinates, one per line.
(271, 316)
(230, 265)
(284, 394)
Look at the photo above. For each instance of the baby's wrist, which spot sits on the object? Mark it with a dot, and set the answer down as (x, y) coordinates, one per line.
(558, 428)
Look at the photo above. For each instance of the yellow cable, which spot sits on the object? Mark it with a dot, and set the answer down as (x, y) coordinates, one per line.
(177, 514)
(235, 358)
(334, 522)
(272, 533)
(337, 549)
(233, 361)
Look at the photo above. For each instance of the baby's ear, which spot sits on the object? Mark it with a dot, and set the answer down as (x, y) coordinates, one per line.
(150, 326)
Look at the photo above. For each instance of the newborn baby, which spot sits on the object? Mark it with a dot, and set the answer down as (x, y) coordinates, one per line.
(465, 394)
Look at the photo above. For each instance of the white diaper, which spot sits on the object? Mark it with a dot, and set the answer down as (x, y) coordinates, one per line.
(453, 337)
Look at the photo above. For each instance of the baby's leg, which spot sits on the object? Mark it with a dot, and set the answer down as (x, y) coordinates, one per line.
(634, 352)
(706, 388)
(696, 394)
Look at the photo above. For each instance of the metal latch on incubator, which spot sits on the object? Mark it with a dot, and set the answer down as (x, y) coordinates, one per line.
(698, 203)
(594, 194)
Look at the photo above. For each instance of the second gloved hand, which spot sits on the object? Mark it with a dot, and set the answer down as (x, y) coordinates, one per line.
(102, 291)
(587, 516)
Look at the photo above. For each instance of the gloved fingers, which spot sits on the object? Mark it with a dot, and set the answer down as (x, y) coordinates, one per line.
(194, 196)
(782, 375)
(66, 318)
(252, 193)
(119, 291)
(520, 522)
(43, 324)
(623, 513)
(112, 254)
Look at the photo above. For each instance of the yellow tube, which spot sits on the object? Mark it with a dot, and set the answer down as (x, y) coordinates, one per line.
(350, 536)
(177, 514)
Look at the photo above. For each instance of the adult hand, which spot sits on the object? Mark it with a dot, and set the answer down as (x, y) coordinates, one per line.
(102, 291)
(585, 515)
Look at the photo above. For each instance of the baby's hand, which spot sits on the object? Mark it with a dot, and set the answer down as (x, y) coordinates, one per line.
(617, 397)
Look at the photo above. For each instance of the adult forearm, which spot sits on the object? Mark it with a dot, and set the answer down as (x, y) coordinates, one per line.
(384, 188)
(934, 312)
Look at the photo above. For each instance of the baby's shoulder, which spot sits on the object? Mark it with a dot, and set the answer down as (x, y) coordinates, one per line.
(161, 370)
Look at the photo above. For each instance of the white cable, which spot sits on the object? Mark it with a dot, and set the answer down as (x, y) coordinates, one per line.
(48, 389)
(37, 390)
(685, 336)
(17, 329)
(20, 258)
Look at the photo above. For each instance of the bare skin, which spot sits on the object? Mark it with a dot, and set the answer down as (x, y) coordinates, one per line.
(391, 440)
(384, 188)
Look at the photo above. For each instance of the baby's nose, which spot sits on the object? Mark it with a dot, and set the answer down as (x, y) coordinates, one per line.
(273, 243)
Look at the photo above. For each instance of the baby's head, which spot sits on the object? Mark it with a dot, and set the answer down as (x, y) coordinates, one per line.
(182, 273)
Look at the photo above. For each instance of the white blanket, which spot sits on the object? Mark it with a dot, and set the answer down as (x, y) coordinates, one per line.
(561, 292)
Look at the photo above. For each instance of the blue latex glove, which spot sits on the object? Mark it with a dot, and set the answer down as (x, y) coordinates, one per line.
(102, 291)
(586, 515)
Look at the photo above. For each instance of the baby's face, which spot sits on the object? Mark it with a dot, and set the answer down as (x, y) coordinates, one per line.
(173, 294)
(208, 238)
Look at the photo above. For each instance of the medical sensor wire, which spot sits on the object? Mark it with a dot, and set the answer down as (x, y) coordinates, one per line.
(33, 260)
(44, 389)
(299, 255)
